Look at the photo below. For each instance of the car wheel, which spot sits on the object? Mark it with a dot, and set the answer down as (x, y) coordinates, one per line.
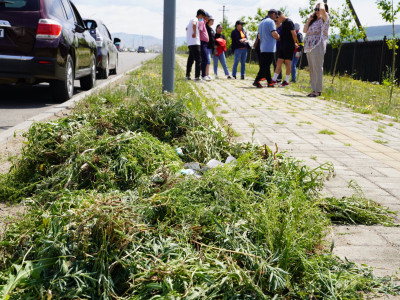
(114, 71)
(89, 81)
(103, 73)
(63, 90)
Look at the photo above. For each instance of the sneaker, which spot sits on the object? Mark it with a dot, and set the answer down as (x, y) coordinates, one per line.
(234, 77)
(216, 77)
(198, 79)
(273, 83)
(229, 77)
(187, 78)
(285, 83)
(205, 78)
(209, 77)
(257, 84)
(263, 79)
(242, 77)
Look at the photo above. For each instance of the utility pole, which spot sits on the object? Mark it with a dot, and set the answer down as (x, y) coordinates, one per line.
(223, 13)
(168, 76)
(353, 12)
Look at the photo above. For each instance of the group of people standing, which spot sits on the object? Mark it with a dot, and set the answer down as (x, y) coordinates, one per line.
(278, 42)
(204, 43)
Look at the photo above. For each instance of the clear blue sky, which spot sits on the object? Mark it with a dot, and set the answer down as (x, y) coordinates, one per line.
(146, 16)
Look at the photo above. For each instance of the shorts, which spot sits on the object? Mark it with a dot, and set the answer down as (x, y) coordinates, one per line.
(286, 53)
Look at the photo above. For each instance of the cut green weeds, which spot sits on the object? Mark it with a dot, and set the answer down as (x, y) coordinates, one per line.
(109, 215)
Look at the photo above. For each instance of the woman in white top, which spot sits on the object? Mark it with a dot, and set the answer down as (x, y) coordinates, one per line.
(317, 28)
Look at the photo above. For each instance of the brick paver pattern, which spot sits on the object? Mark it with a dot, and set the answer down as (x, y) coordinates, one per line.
(357, 150)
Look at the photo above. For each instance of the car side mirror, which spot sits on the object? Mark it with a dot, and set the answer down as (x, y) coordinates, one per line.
(90, 24)
(80, 28)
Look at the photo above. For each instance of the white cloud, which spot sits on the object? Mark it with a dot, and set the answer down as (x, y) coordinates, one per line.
(146, 16)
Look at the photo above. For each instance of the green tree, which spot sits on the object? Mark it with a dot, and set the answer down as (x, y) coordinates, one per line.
(347, 30)
(227, 30)
(253, 22)
(389, 14)
(285, 11)
(183, 48)
(306, 11)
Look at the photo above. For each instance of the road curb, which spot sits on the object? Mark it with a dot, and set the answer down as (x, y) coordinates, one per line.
(54, 110)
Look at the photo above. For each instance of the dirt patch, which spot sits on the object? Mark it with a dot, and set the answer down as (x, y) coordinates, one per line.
(8, 212)
(11, 148)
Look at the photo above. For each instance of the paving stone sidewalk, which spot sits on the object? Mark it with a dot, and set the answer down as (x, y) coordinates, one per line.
(363, 148)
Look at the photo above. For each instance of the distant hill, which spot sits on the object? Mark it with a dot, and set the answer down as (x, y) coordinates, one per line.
(129, 40)
(378, 32)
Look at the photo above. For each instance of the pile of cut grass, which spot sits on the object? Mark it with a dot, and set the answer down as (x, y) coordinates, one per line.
(99, 226)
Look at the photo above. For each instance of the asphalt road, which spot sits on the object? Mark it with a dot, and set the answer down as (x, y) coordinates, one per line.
(19, 103)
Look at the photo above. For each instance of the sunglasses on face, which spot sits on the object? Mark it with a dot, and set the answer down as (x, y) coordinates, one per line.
(316, 9)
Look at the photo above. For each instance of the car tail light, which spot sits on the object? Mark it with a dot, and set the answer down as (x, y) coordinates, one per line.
(48, 29)
(99, 40)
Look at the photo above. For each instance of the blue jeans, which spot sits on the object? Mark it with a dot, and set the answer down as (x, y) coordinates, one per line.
(295, 60)
(240, 55)
(209, 54)
(222, 59)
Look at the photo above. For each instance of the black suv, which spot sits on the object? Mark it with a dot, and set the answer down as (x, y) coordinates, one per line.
(46, 41)
(107, 52)
(141, 50)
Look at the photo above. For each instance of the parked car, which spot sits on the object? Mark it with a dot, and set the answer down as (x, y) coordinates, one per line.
(141, 49)
(46, 41)
(107, 52)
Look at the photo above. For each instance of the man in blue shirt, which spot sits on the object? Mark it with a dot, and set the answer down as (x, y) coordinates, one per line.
(268, 36)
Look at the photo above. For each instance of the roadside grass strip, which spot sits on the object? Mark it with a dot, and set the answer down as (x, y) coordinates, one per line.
(112, 213)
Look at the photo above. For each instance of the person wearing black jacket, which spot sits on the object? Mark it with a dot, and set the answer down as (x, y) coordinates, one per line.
(210, 45)
(240, 44)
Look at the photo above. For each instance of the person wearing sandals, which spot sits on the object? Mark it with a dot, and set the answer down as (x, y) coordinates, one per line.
(316, 30)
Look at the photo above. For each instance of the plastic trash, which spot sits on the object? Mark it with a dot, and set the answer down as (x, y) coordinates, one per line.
(157, 179)
(204, 169)
(230, 159)
(213, 163)
(187, 172)
(179, 151)
(192, 165)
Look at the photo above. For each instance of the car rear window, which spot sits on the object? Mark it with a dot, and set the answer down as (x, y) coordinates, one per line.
(19, 5)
